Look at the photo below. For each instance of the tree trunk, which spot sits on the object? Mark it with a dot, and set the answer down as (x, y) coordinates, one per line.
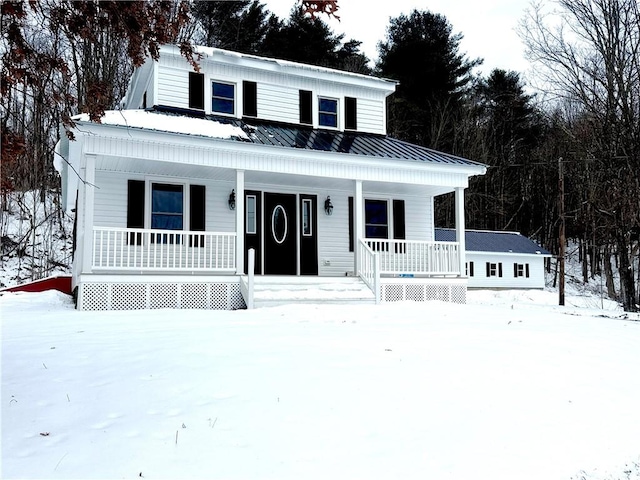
(627, 285)
(608, 272)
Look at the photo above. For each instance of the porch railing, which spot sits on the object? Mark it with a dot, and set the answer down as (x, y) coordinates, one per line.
(163, 250)
(369, 268)
(408, 257)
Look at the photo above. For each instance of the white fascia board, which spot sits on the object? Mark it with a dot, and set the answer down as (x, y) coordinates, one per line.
(219, 56)
(508, 254)
(250, 156)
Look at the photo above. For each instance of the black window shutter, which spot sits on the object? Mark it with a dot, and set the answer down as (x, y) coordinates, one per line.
(471, 269)
(351, 242)
(305, 107)
(398, 223)
(250, 99)
(135, 209)
(527, 270)
(500, 269)
(350, 113)
(196, 90)
(398, 220)
(515, 270)
(488, 269)
(197, 219)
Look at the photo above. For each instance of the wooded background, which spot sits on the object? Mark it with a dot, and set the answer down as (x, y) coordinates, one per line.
(580, 122)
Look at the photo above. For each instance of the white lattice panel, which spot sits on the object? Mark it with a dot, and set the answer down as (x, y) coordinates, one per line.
(136, 296)
(163, 295)
(422, 292)
(194, 295)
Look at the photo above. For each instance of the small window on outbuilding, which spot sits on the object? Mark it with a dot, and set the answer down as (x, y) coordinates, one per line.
(494, 269)
(521, 270)
(469, 269)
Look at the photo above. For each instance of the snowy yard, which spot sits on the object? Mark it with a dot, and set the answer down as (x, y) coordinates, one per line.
(508, 386)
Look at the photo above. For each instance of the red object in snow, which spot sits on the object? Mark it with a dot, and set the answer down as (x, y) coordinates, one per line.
(60, 283)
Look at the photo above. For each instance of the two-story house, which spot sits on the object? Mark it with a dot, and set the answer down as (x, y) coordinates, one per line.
(288, 161)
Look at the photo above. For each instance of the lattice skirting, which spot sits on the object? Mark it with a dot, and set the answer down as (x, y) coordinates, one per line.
(139, 296)
(422, 292)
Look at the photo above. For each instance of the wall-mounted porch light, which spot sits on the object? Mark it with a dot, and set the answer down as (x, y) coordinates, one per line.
(328, 206)
(232, 200)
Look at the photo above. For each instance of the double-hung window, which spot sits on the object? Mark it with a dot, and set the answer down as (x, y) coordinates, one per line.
(223, 97)
(167, 210)
(328, 112)
(376, 219)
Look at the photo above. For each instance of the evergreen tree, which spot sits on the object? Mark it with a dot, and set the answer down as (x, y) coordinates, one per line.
(423, 54)
(236, 25)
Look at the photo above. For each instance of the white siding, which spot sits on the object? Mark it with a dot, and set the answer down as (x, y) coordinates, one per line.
(173, 87)
(278, 103)
(371, 116)
(480, 279)
(111, 200)
(277, 93)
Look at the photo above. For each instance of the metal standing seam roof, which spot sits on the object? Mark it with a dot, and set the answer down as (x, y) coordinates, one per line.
(493, 242)
(307, 138)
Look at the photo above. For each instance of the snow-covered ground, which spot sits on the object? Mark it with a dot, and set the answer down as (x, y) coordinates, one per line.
(509, 386)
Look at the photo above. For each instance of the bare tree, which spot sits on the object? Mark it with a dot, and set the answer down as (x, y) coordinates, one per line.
(589, 51)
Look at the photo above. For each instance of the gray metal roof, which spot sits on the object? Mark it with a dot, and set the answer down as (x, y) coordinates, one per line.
(494, 242)
(307, 138)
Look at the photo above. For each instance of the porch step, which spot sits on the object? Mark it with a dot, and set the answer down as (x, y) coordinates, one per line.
(273, 291)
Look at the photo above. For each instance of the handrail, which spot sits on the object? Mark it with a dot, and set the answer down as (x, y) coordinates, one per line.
(162, 250)
(369, 268)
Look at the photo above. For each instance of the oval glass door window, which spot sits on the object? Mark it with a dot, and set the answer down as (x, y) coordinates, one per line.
(279, 224)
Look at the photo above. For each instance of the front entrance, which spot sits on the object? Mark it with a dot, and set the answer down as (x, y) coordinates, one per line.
(280, 227)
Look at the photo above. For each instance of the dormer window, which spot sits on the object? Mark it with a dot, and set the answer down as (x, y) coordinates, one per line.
(223, 98)
(328, 112)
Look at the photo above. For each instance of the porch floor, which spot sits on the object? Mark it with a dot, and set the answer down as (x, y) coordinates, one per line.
(281, 290)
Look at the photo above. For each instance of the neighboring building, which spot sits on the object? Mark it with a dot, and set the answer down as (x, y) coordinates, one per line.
(500, 259)
(290, 160)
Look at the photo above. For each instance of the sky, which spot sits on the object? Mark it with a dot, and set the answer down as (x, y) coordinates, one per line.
(488, 26)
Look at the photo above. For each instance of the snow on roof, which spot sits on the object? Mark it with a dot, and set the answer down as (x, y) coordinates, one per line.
(158, 121)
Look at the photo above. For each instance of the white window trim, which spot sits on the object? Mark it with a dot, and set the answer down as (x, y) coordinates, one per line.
(307, 201)
(338, 110)
(390, 214)
(186, 200)
(246, 218)
(237, 97)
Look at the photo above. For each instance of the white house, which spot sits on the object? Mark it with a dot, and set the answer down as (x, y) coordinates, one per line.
(288, 160)
(500, 259)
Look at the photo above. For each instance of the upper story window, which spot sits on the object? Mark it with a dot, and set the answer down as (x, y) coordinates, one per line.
(223, 97)
(328, 112)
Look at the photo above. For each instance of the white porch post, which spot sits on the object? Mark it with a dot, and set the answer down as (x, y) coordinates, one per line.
(239, 222)
(460, 229)
(357, 231)
(88, 173)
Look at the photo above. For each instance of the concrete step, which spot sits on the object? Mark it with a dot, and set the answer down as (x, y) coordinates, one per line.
(273, 291)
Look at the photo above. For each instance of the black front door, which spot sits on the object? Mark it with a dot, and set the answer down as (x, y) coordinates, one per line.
(280, 226)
